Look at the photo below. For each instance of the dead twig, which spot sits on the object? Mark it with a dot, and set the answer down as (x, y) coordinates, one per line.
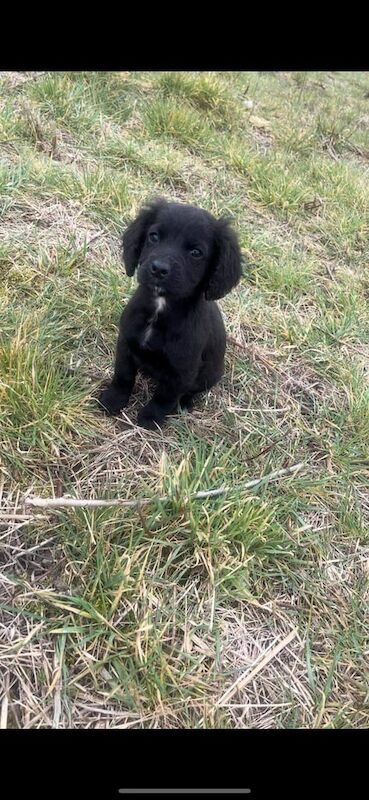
(93, 238)
(11, 517)
(74, 502)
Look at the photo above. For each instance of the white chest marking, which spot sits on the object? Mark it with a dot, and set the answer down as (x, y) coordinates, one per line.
(160, 304)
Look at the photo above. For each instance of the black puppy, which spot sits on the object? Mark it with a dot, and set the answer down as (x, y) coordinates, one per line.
(171, 329)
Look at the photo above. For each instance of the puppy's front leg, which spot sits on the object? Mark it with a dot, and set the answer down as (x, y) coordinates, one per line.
(116, 396)
(163, 402)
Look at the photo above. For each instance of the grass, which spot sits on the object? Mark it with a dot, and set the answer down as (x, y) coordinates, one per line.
(126, 617)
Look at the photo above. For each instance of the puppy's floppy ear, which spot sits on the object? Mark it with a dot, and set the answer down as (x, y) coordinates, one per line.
(226, 269)
(134, 235)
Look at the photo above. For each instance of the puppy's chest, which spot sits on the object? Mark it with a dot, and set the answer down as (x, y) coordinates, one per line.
(152, 335)
(149, 341)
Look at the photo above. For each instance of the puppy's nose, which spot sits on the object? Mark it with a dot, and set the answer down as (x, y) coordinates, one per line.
(159, 268)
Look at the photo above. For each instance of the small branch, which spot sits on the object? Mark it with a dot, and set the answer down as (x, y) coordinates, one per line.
(11, 517)
(234, 341)
(243, 680)
(93, 238)
(73, 502)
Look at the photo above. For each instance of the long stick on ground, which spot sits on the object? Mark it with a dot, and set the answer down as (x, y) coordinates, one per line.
(12, 517)
(73, 502)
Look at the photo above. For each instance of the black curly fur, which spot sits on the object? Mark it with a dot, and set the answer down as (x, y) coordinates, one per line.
(172, 329)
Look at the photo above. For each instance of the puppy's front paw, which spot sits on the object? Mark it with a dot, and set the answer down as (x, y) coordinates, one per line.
(112, 400)
(146, 419)
(187, 402)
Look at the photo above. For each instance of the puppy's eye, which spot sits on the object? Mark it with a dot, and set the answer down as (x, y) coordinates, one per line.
(153, 237)
(196, 252)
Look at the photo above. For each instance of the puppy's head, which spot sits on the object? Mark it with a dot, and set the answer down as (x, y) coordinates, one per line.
(181, 251)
